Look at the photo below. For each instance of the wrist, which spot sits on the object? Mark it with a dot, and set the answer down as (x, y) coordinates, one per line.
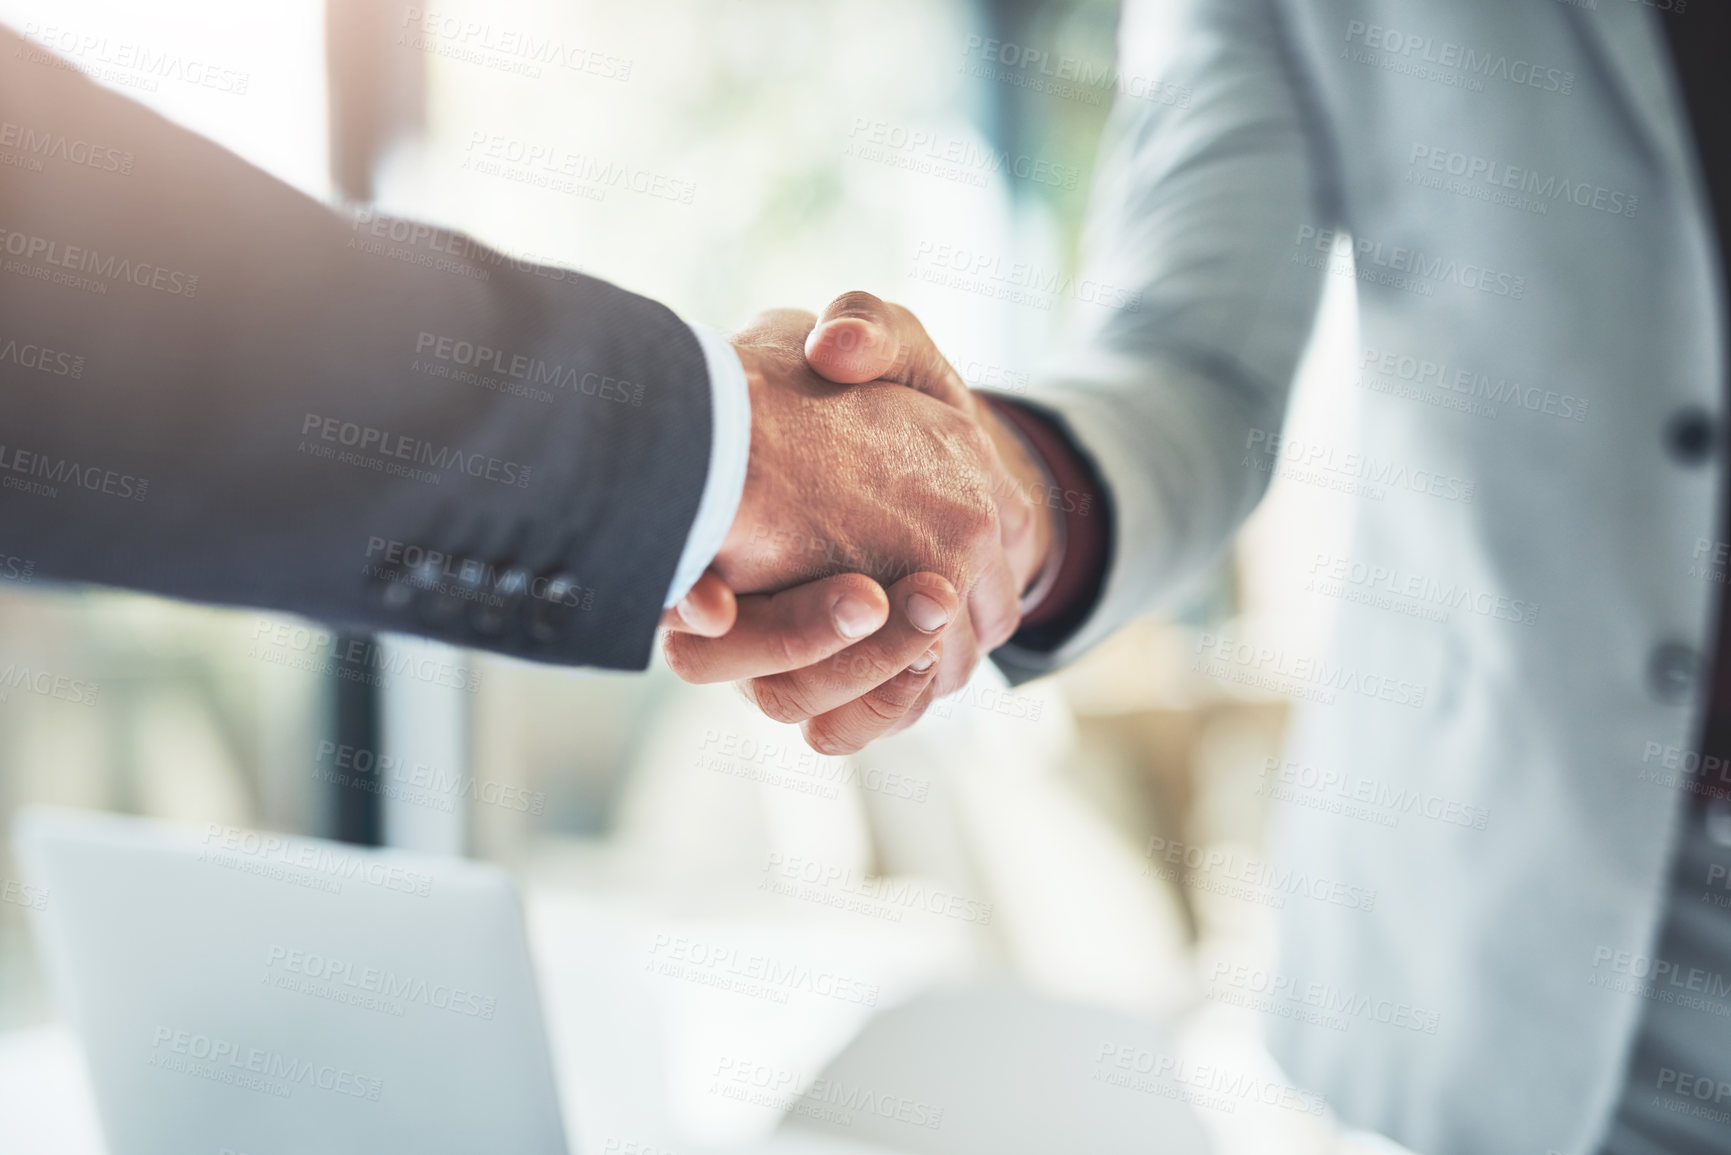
(1070, 493)
(1032, 481)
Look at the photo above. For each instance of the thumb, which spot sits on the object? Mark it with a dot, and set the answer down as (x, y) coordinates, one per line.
(708, 609)
(860, 338)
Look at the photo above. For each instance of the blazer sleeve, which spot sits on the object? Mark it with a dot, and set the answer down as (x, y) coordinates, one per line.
(1202, 259)
(215, 388)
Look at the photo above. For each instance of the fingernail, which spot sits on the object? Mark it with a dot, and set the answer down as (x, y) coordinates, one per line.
(854, 617)
(924, 662)
(927, 613)
(683, 609)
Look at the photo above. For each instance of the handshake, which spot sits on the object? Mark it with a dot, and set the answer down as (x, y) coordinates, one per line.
(870, 460)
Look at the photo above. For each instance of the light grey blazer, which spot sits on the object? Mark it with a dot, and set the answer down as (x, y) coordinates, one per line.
(1565, 279)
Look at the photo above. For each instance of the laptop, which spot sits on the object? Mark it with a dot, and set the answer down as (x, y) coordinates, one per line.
(237, 992)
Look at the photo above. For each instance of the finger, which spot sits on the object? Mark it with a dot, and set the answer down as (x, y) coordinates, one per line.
(922, 606)
(777, 328)
(1016, 528)
(850, 727)
(775, 633)
(860, 338)
(994, 611)
(961, 654)
(916, 711)
(995, 599)
(708, 608)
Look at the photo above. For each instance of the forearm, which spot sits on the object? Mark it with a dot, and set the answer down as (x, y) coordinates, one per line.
(294, 409)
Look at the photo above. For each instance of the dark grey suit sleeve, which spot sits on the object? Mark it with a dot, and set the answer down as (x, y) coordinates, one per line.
(214, 388)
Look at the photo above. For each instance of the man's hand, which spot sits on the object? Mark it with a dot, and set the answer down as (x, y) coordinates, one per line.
(800, 652)
(871, 478)
(861, 338)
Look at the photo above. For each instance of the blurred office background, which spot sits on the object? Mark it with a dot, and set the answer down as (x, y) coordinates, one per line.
(723, 158)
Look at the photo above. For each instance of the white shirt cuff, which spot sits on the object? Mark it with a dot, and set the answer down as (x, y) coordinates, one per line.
(729, 452)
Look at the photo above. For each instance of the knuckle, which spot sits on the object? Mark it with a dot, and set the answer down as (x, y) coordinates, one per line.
(678, 652)
(885, 706)
(855, 303)
(870, 667)
(827, 739)
(780, 699)
(784, 647)
(977, 519)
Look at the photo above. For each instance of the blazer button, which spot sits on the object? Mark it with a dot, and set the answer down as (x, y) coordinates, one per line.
(499, 605)
(549, 614)
(1672, 669)
(1689, 436)
(444, 595)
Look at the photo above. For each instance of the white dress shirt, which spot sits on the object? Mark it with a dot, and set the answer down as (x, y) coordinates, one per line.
(729, 451)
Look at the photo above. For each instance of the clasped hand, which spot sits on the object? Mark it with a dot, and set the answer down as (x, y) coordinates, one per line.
(872, 465)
